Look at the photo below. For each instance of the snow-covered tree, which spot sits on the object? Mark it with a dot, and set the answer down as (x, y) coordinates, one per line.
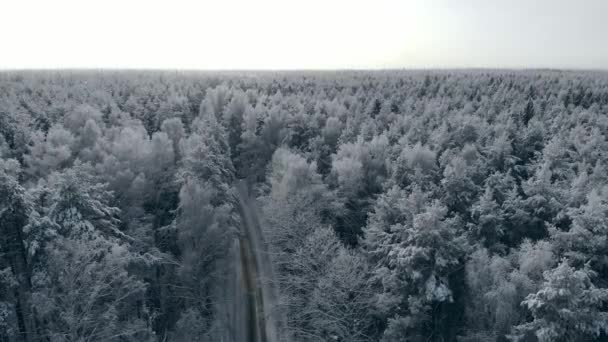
(415, 249)
(568, 307)
(16, 208)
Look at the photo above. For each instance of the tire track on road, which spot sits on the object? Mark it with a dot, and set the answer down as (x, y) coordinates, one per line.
(257, 276)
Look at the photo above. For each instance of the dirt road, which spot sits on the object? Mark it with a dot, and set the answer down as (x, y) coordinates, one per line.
(259, 313)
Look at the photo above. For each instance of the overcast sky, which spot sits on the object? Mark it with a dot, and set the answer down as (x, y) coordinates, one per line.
(306, 34)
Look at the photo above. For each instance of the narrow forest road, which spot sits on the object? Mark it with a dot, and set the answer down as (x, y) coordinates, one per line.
(256, 289)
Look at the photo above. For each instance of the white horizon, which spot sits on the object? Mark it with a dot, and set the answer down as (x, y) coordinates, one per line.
(273, 35)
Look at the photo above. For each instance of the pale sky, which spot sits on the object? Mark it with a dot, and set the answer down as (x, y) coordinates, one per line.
(305, 34)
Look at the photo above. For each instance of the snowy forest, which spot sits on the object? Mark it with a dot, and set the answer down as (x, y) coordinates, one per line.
(465, 205)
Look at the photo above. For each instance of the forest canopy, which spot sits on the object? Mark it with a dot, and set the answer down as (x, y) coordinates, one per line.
(463, 205)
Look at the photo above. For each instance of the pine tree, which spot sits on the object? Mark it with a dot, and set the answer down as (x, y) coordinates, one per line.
(416, 250)
(16, 207)
(586, 240)
(488, 220)
(82, 287)
(568, 307)
(80, 204)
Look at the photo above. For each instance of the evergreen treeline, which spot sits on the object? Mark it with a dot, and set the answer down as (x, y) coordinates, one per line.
(398, 206)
